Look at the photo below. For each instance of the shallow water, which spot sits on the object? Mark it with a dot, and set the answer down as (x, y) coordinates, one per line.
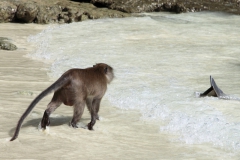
(160, 61)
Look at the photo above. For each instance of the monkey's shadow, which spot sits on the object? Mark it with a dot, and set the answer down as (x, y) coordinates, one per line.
(54, 121)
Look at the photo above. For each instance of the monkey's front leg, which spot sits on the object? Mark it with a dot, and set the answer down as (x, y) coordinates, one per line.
(90, 107)
(78, 109)
(94, 113)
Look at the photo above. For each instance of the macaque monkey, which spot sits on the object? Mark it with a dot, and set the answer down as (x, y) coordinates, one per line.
(76, 87)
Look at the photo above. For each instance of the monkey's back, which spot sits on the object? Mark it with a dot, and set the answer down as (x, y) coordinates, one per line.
(83, 83)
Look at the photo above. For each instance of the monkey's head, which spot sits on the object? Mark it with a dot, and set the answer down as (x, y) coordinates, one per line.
(108, 71)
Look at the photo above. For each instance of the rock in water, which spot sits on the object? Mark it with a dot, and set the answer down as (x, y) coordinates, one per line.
(5, 45)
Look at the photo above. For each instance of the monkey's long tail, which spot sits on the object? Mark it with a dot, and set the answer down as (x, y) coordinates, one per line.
(55, 86)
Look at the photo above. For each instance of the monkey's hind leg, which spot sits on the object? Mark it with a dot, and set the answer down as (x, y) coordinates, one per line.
(94, 113)
(52, 106)
(78, 109)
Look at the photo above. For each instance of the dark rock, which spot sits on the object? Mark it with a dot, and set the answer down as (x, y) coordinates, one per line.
(172, 7)
(138, 6)
(7, 11)
(48, 14)
(26, 12)
(50, 11)
(67, 11)
(177, 6)
(5, 45)
(83, 11)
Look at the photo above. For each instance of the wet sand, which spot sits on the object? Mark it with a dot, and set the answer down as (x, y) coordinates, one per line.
(118, 135)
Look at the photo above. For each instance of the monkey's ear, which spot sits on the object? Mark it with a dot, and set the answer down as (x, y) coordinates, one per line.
(105, 70)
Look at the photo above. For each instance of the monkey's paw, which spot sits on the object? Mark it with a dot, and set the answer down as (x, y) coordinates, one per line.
(40, 128)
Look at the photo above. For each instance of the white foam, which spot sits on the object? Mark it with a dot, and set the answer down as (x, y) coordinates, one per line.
(46, 131)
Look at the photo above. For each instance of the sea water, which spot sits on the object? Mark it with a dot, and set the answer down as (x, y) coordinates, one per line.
(160, 61)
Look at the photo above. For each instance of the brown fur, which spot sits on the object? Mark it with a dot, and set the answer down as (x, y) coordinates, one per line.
(76, 87)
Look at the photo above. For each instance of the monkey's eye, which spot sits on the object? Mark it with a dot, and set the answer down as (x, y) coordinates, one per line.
(106, 69)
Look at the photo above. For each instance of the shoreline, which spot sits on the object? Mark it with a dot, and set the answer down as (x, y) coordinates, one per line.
(68, 11)
(20, 85)
(120, 134)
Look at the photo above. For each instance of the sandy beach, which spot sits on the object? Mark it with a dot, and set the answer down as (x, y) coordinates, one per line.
(118, 135)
